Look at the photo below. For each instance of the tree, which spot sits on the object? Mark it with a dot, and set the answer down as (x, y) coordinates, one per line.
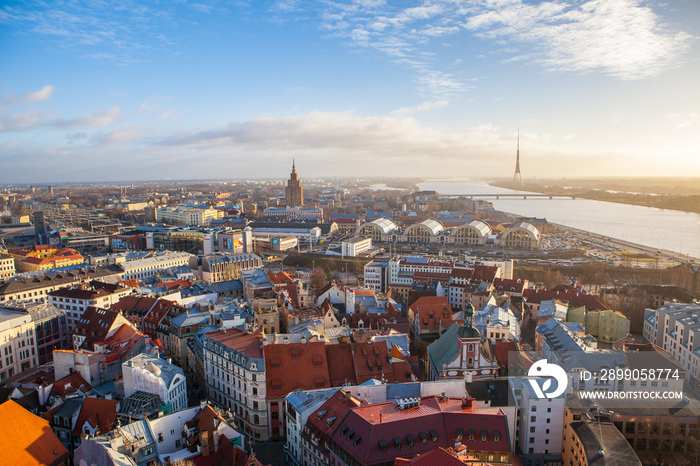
(319, 279)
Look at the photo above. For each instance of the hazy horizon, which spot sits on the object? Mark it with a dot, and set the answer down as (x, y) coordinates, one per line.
(98, 92)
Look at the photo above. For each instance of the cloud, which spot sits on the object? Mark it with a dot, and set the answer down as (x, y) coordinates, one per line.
(617, 37)
(32, 120)
(420, 108)
(121, 136)
(621, 38)
(41, 95)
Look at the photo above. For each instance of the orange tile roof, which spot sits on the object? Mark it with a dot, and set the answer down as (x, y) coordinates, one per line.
(26, 439)
(280, 278)
(295, 366)
(431, 311)
(99, 413)
(341, 367)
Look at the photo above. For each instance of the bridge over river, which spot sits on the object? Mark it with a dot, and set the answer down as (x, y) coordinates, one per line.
(517, 196)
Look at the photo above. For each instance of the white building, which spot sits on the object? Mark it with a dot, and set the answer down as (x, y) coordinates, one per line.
(75, 301)
(294, 213)
(375, 275)
(304, 235)
(539, 422)
(184, 215)
(400, 270)
(499, 322)
(7, 266)
(149, 266)
(675, 327)
(150, 374)
(18, 348)
(356, 246)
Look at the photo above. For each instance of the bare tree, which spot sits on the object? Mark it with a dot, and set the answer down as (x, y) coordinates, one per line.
(319, 279)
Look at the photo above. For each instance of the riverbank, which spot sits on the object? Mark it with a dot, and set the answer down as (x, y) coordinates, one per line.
(599, 191)
(665, 257)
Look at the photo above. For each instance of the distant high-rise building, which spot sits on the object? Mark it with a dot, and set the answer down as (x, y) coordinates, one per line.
(295, 193)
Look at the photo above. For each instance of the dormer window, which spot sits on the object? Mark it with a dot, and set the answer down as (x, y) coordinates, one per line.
(433, 435)
(496, 436)
(460, 435)
(382, 445)
(410, 440)
(356, 440)
(397, 443)
(484, 435)
(423, 438)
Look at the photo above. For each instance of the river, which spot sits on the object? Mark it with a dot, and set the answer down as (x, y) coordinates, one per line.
(657, 228)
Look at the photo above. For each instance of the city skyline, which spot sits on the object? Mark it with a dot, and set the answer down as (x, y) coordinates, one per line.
(109, 92)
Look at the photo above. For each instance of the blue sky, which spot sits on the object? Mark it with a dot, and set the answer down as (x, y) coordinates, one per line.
(120, 90)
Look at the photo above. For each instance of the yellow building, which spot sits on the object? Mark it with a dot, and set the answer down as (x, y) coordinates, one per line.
(605, 325)
(267, 315)
(576, 314)
(44, 258)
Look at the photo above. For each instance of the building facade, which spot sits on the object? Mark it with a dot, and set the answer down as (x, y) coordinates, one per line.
(235, 371)
(294, 191)
(150, 374)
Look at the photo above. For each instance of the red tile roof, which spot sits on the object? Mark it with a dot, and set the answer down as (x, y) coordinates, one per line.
(364, 428)
(341, 367)
(292, 291)
(321, 424)
(484, 273)
(280, 278)
(437, 457)
(293, 366)
(99, 413)
(403, 372)
(431, 311)
(247, 343)
(372, 362)
(69, 384)
(122, 341)
(27, 439)
(509, 285)
(95, 325)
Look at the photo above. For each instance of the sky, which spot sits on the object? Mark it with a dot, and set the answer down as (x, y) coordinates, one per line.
(121, 90)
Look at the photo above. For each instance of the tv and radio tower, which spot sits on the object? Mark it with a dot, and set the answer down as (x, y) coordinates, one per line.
(517, 163)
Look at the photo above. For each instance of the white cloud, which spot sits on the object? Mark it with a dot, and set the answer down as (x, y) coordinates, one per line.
(621, 38)
(618, 37)
(420, 108)
(41, 95)
(32, 120)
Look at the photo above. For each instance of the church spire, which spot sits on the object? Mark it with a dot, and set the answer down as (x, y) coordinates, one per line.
(468, 330)
(469, 314)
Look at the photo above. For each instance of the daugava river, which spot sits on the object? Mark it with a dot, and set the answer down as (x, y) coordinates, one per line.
(657, 228)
